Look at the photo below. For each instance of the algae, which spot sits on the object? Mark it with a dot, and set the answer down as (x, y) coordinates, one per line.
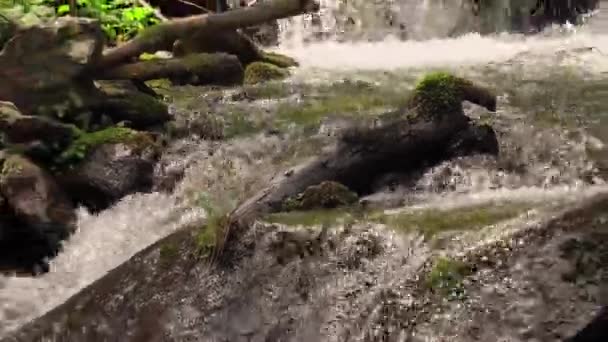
(86, 142)
(446, 278)
(258, 72)
(282, 61)
(431, 222)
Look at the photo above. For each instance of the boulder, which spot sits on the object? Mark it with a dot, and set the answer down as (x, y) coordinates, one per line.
(33, 194)
(123, 101)
(19, 128)
(325, 195)
(41, 65)
(35, 214)
(7, 29)
(101, 167)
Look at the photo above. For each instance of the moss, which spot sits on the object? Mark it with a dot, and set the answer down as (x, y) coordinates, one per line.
(208, 235)
(238, 124)
(147, 56)
(279, 60)
(319, 217)
(86, 142)
(168, 253)
(156, 35)
(267, 90)
(258, 72)
(433, 221)
(159, 84)
(326, 195)
(12, 165)
(438, 93)
(446, 277)
(346, 98)
(207, 238)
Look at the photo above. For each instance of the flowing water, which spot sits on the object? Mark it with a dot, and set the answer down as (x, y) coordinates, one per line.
(549, 123)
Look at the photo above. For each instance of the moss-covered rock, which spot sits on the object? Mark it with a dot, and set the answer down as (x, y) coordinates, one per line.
(324, 195)
(101, 167)
(282, 61)
(122, 101)
(439, 94)
(85, 143)
(257, 72)
(42, 65)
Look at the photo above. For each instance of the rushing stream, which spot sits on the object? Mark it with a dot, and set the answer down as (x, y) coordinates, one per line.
(558, 167)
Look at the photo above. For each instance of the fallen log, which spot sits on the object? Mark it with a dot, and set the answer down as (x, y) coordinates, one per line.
(198, 69)
(431, 129)
(162, 36)
(228, 41)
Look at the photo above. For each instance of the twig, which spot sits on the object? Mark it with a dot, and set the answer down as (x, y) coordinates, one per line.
(157, 13)
(195, 6)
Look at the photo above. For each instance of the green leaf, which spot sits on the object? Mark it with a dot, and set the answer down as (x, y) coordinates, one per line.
(63, 9)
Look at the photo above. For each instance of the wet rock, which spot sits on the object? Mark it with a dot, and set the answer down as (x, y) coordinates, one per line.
(33, 194)
(35, 215)
(478, 139)
(104, 166)
(41, 65)
(19, 128)
(123, 101)
(7, 30)
(258, 72)
(324, 195)
(266, 34)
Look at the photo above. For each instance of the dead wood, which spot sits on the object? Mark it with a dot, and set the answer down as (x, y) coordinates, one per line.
(406, 142)
(203, 68)
(163, 35)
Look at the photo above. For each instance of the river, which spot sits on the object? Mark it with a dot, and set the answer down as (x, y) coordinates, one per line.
(559, 59)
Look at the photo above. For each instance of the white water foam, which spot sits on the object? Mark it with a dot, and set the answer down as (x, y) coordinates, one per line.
(102, 242)
(468, 50)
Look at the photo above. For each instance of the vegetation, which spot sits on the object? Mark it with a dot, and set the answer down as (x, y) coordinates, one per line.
(168, 253)
(432, 221)
(258, 72)
(345, 98)
(207, 237)
(446, 278)
(85, 142)
(437, 93)
(279, 60)
(120, 19)
(325, 195)
(309, 218)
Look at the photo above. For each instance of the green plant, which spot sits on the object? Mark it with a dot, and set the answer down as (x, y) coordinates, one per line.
(26, 12)
(120, 19)
(446, 278)
(207, 237)
(86, 142)
(168, 253)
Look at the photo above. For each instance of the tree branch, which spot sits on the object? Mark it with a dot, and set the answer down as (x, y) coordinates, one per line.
(157, 13)
(163, 35)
